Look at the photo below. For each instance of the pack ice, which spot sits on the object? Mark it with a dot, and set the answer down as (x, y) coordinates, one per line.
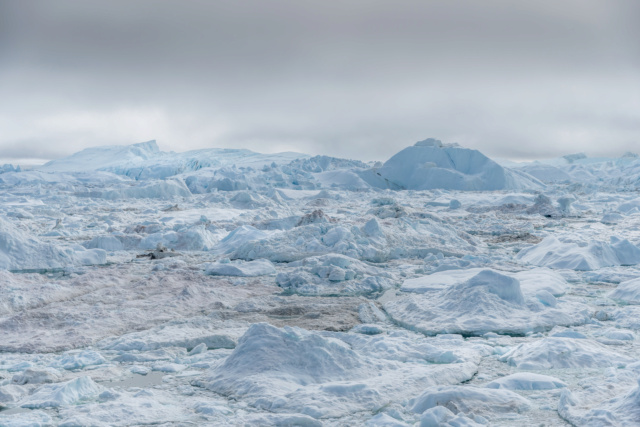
(229, 287)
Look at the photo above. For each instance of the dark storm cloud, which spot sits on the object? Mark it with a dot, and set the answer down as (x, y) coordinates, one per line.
(352, 78)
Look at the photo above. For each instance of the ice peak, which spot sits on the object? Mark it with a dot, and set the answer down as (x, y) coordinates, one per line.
(150, 146)
(429, 142)
(432, 142)
(570, 158)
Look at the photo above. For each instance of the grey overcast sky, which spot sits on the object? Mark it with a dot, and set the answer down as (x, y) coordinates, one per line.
(350, 78)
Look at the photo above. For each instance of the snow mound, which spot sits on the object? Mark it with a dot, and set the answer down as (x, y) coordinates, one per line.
(63, 394)
(243, 235)
(20, 251)
(194, 238)
(563, 353)
(553, 253)
(477, 301)
(319, 374)
(260, 267)
(526, 381)
(469, 399)
(627, 292)
(429, 164)
(289, 356)
(107, 243)
(622, 410)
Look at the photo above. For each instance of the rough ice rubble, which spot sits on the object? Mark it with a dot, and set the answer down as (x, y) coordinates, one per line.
(553, 253)
(475, 302)
(402, 237)
(333, 275)
(293, 370)
(152, 190)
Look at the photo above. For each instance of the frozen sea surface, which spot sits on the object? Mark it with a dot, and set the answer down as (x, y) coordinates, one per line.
(228, 287)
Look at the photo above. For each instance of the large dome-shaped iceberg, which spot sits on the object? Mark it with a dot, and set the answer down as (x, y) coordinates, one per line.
(430, 164)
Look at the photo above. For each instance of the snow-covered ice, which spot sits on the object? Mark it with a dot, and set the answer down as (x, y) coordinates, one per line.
(229, 287)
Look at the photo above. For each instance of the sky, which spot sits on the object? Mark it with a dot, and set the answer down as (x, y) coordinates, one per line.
(357, 79)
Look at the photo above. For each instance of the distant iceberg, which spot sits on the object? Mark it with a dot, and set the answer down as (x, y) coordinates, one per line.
(430, 164)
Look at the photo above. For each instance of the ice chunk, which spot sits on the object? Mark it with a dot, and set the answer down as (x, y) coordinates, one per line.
(627, 291)
(562, 353)
(555, 254)
(108, 243)
(20, 251)
(611, 218)
(63, 394)
(429, 165)
(293, 370)
(474, 302)
(260, 267)
(36, 376)
(526, 381)
(75, 360)
(238, 237)
(470, 399)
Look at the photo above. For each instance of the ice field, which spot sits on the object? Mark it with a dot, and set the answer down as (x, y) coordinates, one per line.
(226, 287)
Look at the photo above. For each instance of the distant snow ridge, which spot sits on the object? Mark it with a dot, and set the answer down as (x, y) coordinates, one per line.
(9, 168)
(429, 164)
(105, 157)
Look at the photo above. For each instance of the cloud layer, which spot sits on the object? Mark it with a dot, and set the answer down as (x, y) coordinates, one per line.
(354, 78)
